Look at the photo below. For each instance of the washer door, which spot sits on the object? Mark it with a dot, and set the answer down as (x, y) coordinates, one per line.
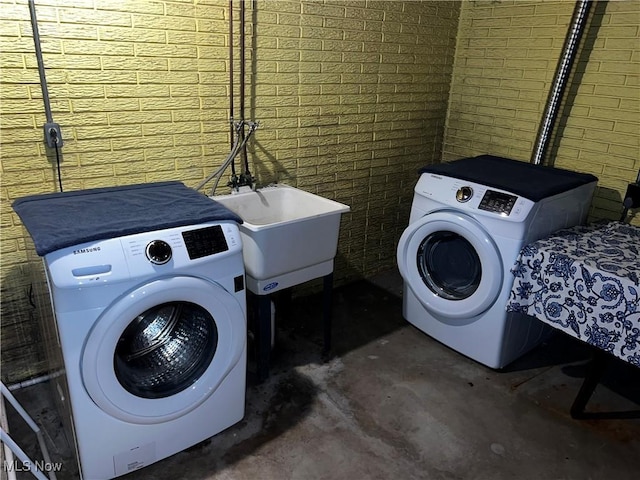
(451, 264)
(162, 349)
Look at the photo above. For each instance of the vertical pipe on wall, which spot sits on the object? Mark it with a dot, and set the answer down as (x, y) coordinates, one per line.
(242, 82)
(569, 51)
(43, 78)
(242, 59)
(231, 92)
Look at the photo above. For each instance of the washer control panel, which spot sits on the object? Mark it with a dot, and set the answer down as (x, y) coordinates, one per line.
(497, 202)
(172, 250)
(205, 241)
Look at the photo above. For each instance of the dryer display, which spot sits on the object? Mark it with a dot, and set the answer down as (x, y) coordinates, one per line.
(497, 202)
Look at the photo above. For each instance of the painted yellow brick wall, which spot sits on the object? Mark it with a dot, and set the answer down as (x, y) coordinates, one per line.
(505, 62)
(351, 97)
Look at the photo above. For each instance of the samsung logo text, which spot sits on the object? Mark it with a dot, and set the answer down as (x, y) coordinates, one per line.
(86, 250)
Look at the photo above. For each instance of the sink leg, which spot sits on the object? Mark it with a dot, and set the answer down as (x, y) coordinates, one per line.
(327, 314)
(263, 335)
(263, 328)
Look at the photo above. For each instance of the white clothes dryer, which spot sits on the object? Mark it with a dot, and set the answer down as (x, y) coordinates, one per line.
(468, 221)
(152, 329)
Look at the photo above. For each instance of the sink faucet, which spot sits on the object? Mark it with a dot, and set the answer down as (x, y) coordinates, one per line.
(247, 180)
(242, 180)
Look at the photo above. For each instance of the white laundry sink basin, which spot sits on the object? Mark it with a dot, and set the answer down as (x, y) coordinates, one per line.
(289, 236)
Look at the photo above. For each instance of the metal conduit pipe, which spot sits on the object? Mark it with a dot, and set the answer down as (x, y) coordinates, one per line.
(242, 59)
(231, 92)
(569, 52)
(242, 85)
(52, 133)
(43, 78)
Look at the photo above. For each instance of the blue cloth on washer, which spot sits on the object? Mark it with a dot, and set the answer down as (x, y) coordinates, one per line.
(534, 182)
(59, 220)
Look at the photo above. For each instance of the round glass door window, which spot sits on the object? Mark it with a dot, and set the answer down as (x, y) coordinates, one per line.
(449, 265)
(165, 349)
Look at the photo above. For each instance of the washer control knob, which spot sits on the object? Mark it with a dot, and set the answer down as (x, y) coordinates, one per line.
(464, 194)
(158, 252)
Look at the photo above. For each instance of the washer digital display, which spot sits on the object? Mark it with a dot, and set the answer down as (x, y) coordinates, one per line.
(205, 241)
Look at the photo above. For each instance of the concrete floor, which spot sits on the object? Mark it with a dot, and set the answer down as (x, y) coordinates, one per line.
(393, 403)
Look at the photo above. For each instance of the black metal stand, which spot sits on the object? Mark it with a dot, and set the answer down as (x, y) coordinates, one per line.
(595, 370)
(263, 336)
(327, 312)
(263, 332)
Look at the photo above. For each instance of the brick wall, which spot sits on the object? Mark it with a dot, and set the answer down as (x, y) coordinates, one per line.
(505, 62)
(351, 97)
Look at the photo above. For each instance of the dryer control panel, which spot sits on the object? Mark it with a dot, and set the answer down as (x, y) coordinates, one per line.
(497, 202)
(470, 197)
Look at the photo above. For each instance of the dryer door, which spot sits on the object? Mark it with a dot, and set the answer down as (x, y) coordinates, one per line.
(163, 348)
(451, 264)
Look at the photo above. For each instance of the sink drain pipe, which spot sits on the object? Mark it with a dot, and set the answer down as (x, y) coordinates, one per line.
(563, 70)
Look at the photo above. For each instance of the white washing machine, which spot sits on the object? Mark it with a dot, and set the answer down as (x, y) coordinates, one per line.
(152, 329)
(469, 219)
(149, 317)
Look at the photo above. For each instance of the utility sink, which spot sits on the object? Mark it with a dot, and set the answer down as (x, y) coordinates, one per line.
(289, 236)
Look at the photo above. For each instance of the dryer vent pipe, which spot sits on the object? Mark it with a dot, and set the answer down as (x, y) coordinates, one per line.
(563, 70)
